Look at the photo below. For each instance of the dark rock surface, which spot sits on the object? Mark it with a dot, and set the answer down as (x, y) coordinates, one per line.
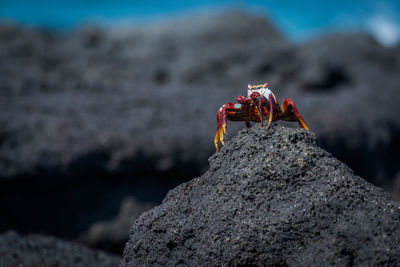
(270, 198)
(39, 250)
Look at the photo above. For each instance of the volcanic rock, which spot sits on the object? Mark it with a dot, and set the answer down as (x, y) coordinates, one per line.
(270, 198)
(39, 250)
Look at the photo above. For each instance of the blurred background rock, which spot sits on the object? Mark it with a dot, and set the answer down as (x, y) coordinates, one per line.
(106, 106)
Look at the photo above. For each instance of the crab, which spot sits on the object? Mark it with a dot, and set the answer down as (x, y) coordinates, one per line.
(259, 105)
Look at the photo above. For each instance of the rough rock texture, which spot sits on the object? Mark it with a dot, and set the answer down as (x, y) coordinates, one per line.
(112, 235)
(100, 100)
(270, 198)
(38, 250)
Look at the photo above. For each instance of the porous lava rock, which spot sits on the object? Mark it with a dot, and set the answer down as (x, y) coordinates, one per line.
(270, 198)
(38, 250)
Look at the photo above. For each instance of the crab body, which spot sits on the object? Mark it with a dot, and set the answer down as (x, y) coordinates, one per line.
(259, 105)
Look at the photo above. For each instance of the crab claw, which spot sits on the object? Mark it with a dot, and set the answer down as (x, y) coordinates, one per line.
(219, 136)
(221, 127)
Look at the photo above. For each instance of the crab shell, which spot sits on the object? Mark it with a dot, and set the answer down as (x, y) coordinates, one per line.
(262, 89)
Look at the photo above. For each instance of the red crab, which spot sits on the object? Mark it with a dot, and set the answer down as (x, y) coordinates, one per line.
(259, 105)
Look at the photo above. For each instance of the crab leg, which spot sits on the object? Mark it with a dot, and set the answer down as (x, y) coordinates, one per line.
(261, 102)
(233, 112)
(244, 100)
(221, 125)
(271, 101)
(290, 113)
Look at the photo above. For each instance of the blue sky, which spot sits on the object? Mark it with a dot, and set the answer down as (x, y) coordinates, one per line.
(299, 20)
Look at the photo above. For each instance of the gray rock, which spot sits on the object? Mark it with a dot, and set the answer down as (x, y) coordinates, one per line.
(270, 198)
(39, 250)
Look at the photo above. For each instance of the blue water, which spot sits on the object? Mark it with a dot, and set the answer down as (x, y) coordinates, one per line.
(298, 20)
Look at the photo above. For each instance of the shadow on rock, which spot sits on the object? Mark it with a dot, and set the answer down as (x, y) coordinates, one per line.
(68, 207)
(39, 250)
